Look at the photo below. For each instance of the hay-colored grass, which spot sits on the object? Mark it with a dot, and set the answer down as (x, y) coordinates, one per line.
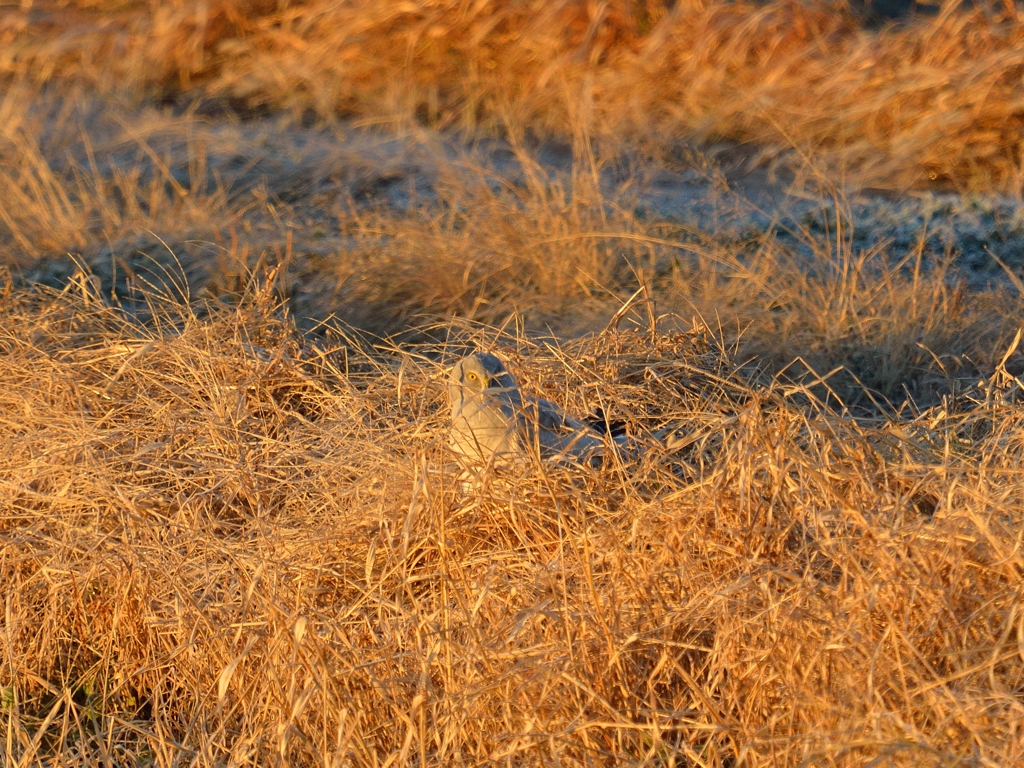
(230, 531)
(225, 545)
(935, 99)
(144, 198)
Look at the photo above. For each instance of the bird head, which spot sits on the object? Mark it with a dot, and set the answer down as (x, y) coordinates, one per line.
(477, 373)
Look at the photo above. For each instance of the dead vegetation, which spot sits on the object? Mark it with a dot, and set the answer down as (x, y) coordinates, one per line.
(230, 532)
(933, 100)
(226, 545)
(388, 233)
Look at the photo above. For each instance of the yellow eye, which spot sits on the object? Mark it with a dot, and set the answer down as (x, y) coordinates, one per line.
(471, 376)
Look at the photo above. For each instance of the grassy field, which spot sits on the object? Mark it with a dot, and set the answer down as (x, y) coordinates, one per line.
(242, 243)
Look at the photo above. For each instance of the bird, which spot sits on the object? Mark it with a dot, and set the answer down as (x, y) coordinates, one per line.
(493, 425)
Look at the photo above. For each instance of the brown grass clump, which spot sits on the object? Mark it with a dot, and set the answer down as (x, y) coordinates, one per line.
(230, 530)
(227, 544)
(141, 197)
(932, 100)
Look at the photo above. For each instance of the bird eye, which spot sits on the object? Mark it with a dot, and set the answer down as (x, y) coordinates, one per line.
(471, 376)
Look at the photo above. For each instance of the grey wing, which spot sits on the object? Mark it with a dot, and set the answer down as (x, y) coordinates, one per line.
(578, 439)
(561, 436)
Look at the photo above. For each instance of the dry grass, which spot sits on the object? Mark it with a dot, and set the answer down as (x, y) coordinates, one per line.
(230, 532)
(225, 545)
(933, 100)
(144, 198)
(136, 192)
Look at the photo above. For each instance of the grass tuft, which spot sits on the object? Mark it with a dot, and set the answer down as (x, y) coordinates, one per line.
(241, 244)
(225, 543)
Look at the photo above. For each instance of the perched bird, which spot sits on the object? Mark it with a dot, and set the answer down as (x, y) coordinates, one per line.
(493, 425)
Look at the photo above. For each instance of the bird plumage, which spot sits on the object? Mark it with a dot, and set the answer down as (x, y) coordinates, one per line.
(493, 424)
